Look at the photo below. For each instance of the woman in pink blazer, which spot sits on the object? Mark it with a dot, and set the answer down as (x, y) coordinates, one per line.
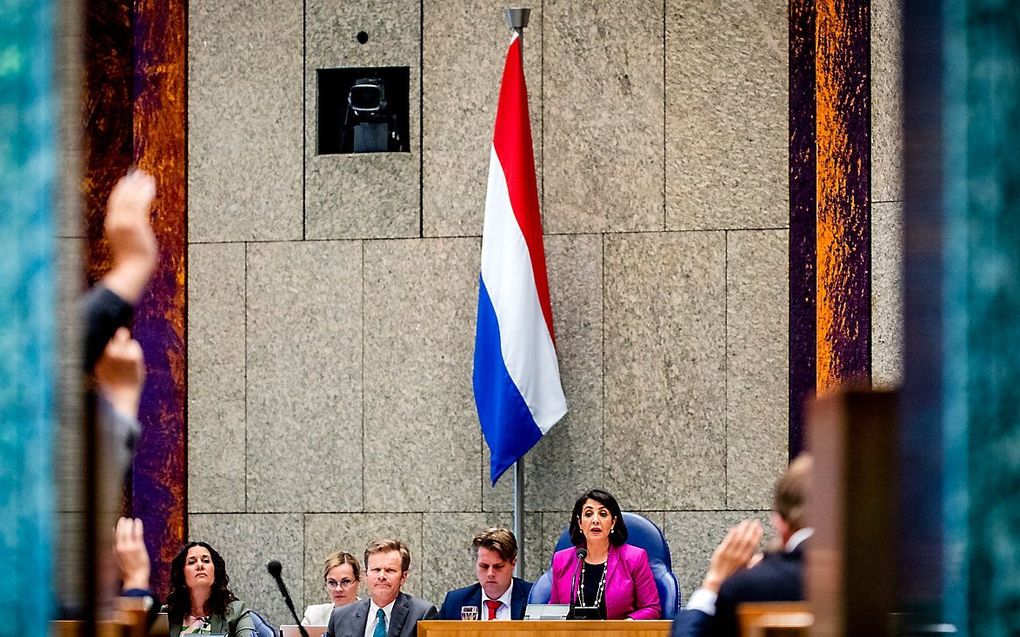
(601, 570)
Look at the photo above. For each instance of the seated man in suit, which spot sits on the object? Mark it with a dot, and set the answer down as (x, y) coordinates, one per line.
(733, 577)
(498, 594)
(387, 612)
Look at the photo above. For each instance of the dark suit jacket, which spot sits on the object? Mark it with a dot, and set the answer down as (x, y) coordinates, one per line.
(350, 620)
(779, 577)
(105, 313)
(472, 596)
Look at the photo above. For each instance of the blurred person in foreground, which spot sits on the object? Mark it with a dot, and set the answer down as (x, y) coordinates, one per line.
(116, 364)
(735, 575)
(132, 559)
(613, 576)
(112, 356)
(134, 254)
(119, 377)
(497, 593)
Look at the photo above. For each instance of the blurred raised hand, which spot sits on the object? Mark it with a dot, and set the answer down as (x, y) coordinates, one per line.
(120, 373)
(133, 249)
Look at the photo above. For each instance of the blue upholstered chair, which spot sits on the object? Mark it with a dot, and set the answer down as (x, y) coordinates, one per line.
(641, 532)
(262, 626)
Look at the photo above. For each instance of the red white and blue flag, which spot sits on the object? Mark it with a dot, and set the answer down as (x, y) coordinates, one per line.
(516, 375)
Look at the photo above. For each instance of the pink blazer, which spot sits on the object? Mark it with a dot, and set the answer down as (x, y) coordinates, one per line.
(630, 587)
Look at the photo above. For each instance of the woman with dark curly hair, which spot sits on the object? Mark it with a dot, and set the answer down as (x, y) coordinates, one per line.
(200, 602)
(610, 577)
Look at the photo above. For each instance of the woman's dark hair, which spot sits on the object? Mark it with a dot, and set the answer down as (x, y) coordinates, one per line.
(179, 601)
(619, 535)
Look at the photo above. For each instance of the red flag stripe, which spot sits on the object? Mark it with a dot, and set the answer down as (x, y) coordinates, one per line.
(512, 141)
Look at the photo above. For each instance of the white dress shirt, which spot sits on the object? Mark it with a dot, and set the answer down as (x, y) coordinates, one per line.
(373, 612)
(503, 612)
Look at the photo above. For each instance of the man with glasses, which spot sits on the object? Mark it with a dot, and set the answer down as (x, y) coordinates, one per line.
(388, 612)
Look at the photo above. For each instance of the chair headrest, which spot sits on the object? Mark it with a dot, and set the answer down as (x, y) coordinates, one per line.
(641, 532)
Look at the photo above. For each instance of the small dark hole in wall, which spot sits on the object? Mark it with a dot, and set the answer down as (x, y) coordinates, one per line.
(362, 37)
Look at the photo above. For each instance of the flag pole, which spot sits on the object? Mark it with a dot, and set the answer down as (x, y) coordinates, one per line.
(517, 20)
(519, 516)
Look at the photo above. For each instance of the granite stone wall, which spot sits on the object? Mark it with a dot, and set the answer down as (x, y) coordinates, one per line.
(886, 194)
(331, 298)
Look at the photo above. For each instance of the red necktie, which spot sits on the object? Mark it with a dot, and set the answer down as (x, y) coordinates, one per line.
(493, 604)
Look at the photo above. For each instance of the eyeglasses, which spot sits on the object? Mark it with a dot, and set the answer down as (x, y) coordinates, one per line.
(342, 584)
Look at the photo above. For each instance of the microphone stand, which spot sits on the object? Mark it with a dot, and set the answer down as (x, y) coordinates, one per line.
(276, 570)
(581, 554)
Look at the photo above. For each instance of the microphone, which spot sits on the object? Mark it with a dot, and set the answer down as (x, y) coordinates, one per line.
(581, 554)
(276, 570)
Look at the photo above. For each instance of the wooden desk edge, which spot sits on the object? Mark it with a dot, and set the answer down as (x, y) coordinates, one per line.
(523, 628)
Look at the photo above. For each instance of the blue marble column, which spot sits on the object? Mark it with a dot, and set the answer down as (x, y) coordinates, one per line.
(981, 359)
(26, 310)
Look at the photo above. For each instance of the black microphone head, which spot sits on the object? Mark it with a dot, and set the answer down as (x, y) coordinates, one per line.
(275, 568)
(582, 553)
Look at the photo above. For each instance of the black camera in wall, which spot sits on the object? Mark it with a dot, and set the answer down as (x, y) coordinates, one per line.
(363, 110)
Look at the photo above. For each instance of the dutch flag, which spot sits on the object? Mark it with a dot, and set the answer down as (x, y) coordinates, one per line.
(516, 375)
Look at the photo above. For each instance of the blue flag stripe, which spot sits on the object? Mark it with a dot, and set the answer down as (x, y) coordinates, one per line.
(507, 423)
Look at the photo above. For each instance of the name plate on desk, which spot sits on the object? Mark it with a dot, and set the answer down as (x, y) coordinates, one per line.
(547, 612)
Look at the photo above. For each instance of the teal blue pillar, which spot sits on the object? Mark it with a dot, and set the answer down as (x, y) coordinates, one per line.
(981, 356)
(26, 313)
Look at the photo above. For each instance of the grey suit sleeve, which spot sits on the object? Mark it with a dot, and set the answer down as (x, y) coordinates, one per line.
(120, 435)
(420, 610)
(105, 313)
(332, 629)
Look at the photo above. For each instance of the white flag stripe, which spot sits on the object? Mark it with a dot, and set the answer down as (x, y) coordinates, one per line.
(528, 350)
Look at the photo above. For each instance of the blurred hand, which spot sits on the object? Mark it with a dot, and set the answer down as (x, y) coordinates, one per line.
(133, 248)
(120, 373)
(733, 553)
(757, 557)
(130, 554)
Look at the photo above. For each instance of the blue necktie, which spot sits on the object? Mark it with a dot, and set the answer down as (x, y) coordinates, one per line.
(380, 624)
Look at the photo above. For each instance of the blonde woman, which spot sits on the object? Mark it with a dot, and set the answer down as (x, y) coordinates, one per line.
(340, 576)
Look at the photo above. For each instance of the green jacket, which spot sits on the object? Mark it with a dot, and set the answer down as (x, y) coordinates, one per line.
(236, 622)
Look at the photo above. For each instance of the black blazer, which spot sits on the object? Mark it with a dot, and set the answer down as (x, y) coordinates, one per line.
(472, 596)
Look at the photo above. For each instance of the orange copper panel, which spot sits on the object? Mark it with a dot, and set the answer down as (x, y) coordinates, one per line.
(160, 147)
(843, 230)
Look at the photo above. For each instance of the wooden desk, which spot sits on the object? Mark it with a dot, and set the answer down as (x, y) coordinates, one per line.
(616, 628)
(72, 628)
(764, 619)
